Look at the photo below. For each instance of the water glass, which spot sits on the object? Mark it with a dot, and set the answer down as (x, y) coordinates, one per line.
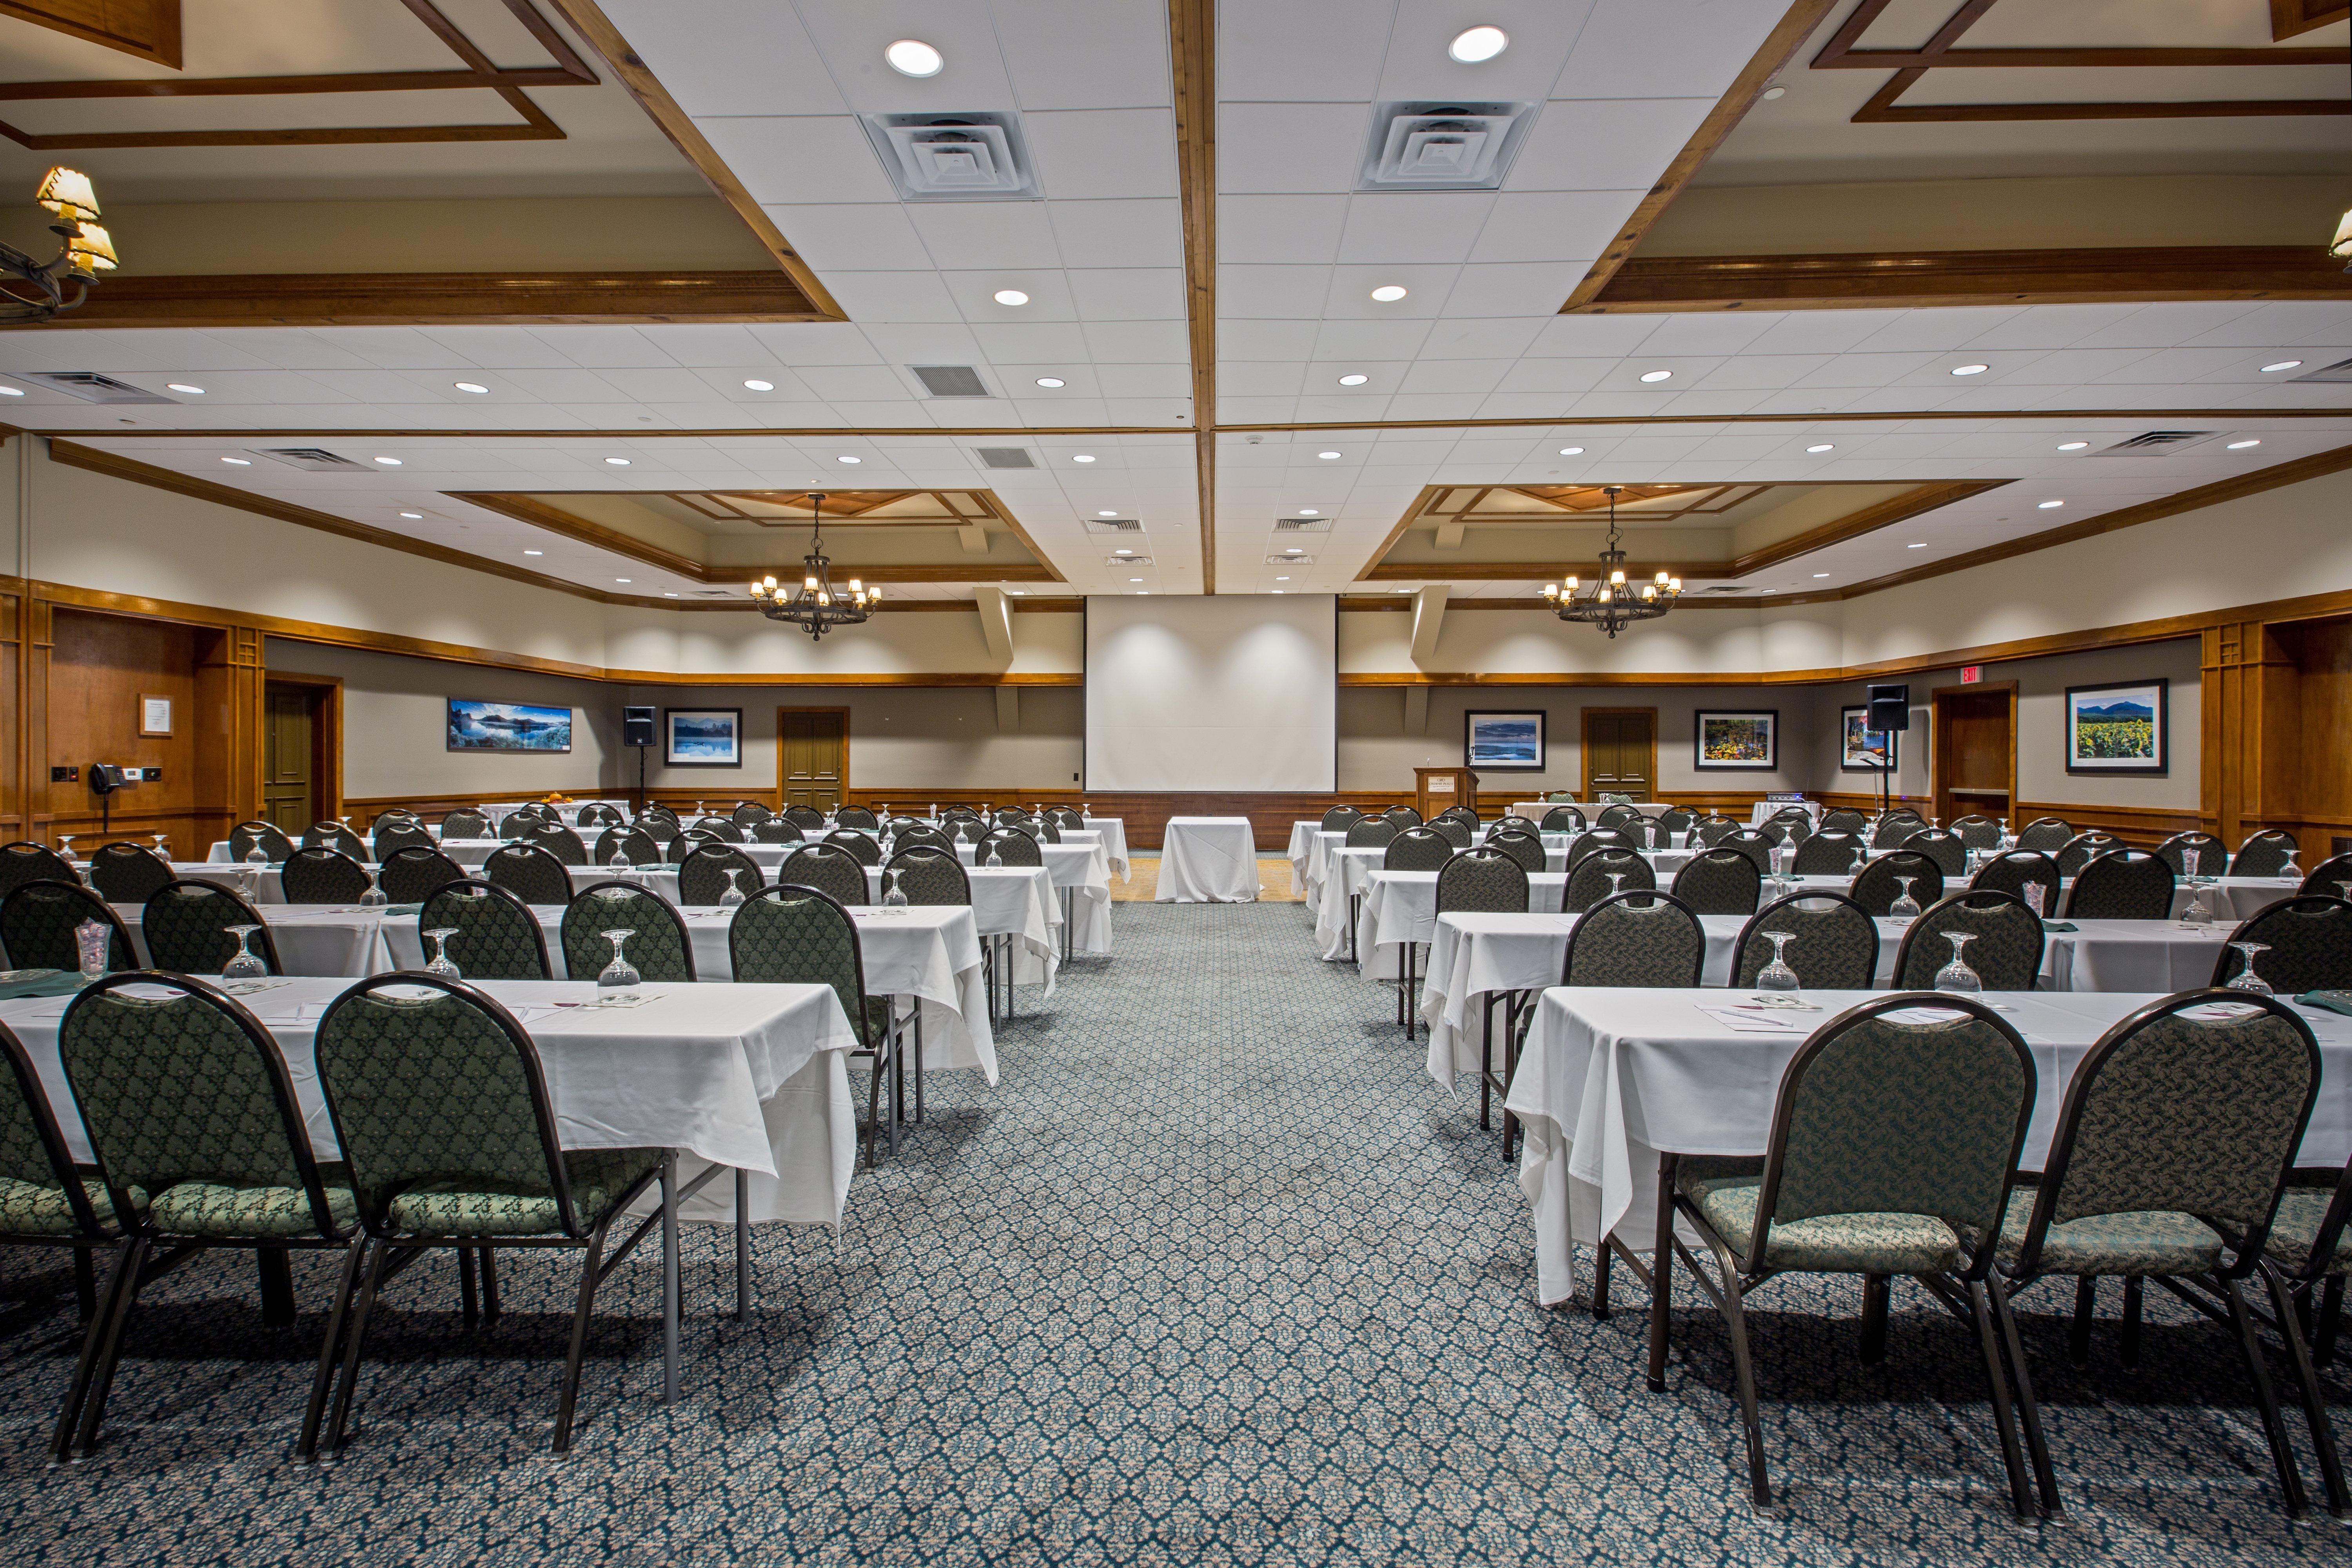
(2188, 865)
(2291, 872)
(995, 860)
(619, 860)
(2247, 979)
(373, 898)
(163, 847)
(439, 963)
(247, 965)
(1615, 880)
(893, 896)
(2034, 893)
(1905, 907)
(65, 847)
(92, 939)
(1777, 976)
(1957, 975)
(734, 893)
(620, 973)
(257, 855)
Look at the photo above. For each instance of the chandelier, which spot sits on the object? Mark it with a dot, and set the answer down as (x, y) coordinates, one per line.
(817, 606)
(1613, 604)
(88, 251)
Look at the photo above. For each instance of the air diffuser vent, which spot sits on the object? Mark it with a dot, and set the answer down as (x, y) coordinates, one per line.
(950, 380)
(1290, 561)
(1113, 525)
(1127, 560)
(1301, 524)
(92, 387)
(2162, 441)
(975, 157)
(1443, 146)
(316, 459)
(1006, 456)
(2340, 371)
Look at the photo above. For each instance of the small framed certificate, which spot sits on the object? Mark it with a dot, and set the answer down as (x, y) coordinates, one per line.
(154, 715)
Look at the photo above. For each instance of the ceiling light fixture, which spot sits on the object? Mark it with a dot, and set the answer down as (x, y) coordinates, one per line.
(1612, 606)
(89, 250)
(1820, 574)
(1357, 380)
(912, 57)
(12, 390)
(1293, 550)
(1970, 369)
(389, 462)
(667, 594)
(1775, 94)
(183, 386)
(1278, 590)
(1122, 552)
(473, 386)
(1824, 447)
(2282, 365)
(534, 552)
(1657, 374)
(816, 606)
(413, 516)
(240, 462)
(756, 386)
(846, 458)
(1135, 579)
(1051, 381)
(1308, 512)
(1011, 297)
(618, 462)
(1105, 514)
(2242, 445)
(2072, 445)
(620, 579)
(1473, 45)
(1921, 546)
(1326, 456)
(1572, 451)
(2051, 505)
(1083, 458)
(1281, 579)
(1388, 293)
(2340, 247)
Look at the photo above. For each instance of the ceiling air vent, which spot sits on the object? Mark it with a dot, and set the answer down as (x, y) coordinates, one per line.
(950, 380)
(316, 459)
(976, 157)
(1005, 456)
(1290, 561)
(1724, 588)
(92, 387)
(1443, 146)
(1301, 524)
(1127, 560)
(715, 593)
(2162, 441)
(2340, 371)
(1113, 525)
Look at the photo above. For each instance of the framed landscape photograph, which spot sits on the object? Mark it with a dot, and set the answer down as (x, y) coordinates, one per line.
(2121, 728)
(1503, 743)
(1734, 740)
(507, 727)
(702, 737)
(1862, 750)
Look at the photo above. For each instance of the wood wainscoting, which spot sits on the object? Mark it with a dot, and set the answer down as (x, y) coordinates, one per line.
(2277, 719)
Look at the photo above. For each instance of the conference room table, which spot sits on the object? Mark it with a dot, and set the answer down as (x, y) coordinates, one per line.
(1612, 1077)
(1208, 860)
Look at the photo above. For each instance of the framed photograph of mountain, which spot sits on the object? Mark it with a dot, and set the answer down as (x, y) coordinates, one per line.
(507, 727)
(702, 737)
(1746, 740)
(1503, 743)
(2123, 729)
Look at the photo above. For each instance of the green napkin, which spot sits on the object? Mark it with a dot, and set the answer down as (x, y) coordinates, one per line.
(2333, 1000)
(404, 909)
(21, 983)
(2060, 925)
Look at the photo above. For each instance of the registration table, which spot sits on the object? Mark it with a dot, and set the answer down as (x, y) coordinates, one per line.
(1612, 1077)
(1208, 860)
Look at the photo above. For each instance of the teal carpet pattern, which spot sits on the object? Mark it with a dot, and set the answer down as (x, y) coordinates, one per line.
(1216, 1274)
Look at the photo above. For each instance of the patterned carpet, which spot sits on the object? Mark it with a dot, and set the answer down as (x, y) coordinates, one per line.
(1217, 1275)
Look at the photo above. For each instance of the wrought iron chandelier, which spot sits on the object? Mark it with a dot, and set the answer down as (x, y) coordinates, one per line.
(88, 251)
(816, 606)
(1613, 604)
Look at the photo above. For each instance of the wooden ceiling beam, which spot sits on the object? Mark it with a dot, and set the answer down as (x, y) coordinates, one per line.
(437, 298)
(1192, 52)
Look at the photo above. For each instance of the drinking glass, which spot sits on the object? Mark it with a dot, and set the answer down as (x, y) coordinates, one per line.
(620, 973)
(1957, 975)
(257, 855)
(373, 898)
(2291, 872)
(248, 884)
(1614, 878)
(935, 811)
(994, 858)
(2247, 979)
(2344, 891)
(439, 963)
(893, 896)
(619, 860)
(1777, 976)
(91, 941)
(1905, 907)
(2188, 866)
(247, 965)
(2034, 893)
(699, 810)
(65, 847)
(164, 846)
(734, 893)
(2195, 914)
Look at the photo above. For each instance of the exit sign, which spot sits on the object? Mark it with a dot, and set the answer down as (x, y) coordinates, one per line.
(1971, 674)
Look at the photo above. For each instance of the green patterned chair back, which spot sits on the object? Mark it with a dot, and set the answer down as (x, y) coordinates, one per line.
(1563, 819)
(798, 936)
(2082, 849)
(682, 845)
(1845, 819)
(561, 842)
(41, 1194)
(530, 873)
(1835, 946)
(1404, 816)
(465, 823)
(855, 817)
(1979, 832)
(2121, 885)
(925, 836)
(1830, 854)
(412, 874)
(2014, 871)
(1711, 830)
(2006, 952)
(1636, 939)
(1792, 831)
(1881, 882)
(1341, 818)
(657, 812)
(127, 873)
(1588, 880)
(1894, 827)
(24, 861)
(929, 874)
(723, 829)
(318, 875)
(2047, 834)
(1453, 831)
(192, 1113)
(1481, 881)
(518, 824)
(749, 813)
(185, 925)
(1372, 833)
(336, 837)
(1719, 882)
(659, 950)
(1750, 843)
(1520, 845)
(274, 844)
(1794, 817)
(861, 844)
(1512, 822)
(2263, 854)
(38, 920)
(1879, 1116)
(1011, 846)
(1417, 850)
(1594, 838)
(1677, 818)
(2332, 877)
(1613, 816)
(2310, 942)
(1068, 819)
(635, 843)
(1013, 816)
(1945, 849)
(776, 830)
(830, 869)
(804, 816)
(599, 816)
(1043, 829)
(702, 875)
(497, 936)
(2174, 1114)
(392, 838)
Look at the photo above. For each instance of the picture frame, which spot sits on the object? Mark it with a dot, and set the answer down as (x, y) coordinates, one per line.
(154, 715)
(1503, 741)
(1856, 737)
(1735, 740)
(475, 725)
(702, 737)
(2122, 727)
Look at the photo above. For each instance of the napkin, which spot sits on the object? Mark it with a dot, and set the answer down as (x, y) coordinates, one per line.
(2060, 925)
(21, 983)
(2333, 1001)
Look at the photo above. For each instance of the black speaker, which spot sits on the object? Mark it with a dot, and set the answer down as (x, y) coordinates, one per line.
(1890, 708)
(637, 726)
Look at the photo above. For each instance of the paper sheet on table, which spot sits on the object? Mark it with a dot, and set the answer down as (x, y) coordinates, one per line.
(1753, 1023)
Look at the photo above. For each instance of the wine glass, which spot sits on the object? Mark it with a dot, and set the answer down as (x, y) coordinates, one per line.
(2195, 914)
(2247, 979)
(257, 855)
(1777, 976)
(995, 860)
(1905, 907)
(439, 963)
(619, 860)
(2188, 865)
(1615, 880)
(373, 898)
(247, 965)
(733, 893)
(2344, 891)
(2291, 872)
(1957, 975)
(248, 884)
(65, 847)
(620, 973)
(2034, 893)
(894, 897)
(699, 810)
(163, 847)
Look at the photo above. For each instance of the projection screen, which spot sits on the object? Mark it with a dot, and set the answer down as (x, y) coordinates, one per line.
(1235, 693)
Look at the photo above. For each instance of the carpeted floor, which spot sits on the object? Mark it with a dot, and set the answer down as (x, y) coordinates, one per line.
(1216, 1274)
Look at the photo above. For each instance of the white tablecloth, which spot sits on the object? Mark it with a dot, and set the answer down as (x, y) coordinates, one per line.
(1113, 838)
(1208, 860)
(1611, 1077)
(1765, 810)
(1402, 906)
(2159, 956)
(747, 1076)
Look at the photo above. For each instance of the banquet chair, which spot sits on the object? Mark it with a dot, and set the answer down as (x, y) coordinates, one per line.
(803, 817)
(1589, 880)
(635, 844)
(1043, 829)
(2310, 942)
(894, 825)
(1371, 833)
(561, 842)
(465, 823)
(1475, 881)
(1944, 848)
(38, 922)
(722, 828)
(412, 874)
(1796, 818)
(1834, 945)
(776, 830)
(683, 844)
(599, 816)
(1454, 833)
(336, 837)
(1977, 831)
(1417, 850)
(1845, 819)
(2212, 855)
(1829, 854)
(441, 1108)
(796, 935)
(1011, 816)
(2047, 834)
(2264, 854)
(495, 935)
(2078, 851)
(44, 1200)
(702, 875)
(1011, 846)
(656, 809)
(1616, 816)
(1750, 843)
(2333, 877)
(528, 872)
(929, 874)
(24, 861)
(1676, 820)
(1522, 846)
(855, 817)
(1894, 827)
(658, 948)
(2006, 952)
(1712, 829)
(924, 835)
(2121, 885)
(392, 836)
(1719, 882)
(1563, 819)
(1068, 820)
(1639, 937)
(185, 927)
(125, 873)
(519, 824)
(1880, 883)
(864, 846)
(1511, 822)
(1787, 831)
(1595, 838)
(1404, 817)
(1891, 1152)
(830, 869)
(2172, 1148)
(274, 843)
(318, 875)
(2016, 870)
(750, 813)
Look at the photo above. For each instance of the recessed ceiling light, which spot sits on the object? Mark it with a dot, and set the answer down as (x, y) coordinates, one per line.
(1921, 546)
(1122, 552)
(2072, 445)
(1135, 579)
(1821, 574)
(12, 392)
(1824, 447)
(1278, 590)
(1326, 456)
(183, 386)
(534, 552)
(1656, 374)
(473, 386)
(2048, 505)
(2282, 364)
(389, 462)
(620, 579)
(1388, 293)
(1018, 592)
(240, 462)
(1281, 579)
(1572, 451)
(912, 57)
(413, 516)
(1475, 44)
(667, 594)
(845, 458)
(1105, 514)
(1775, 94)
(1051, 381)
(1357, 380)
(1294, 550)
(1308, 512)
(1083, 458)
(1011, 297)
(1970, 369)
(1400, 590)
(756, 386)
(618, 462)
(2242, 445)
(1142, 592)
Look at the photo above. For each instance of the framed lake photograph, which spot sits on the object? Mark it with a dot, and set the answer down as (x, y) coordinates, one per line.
(1503, 743)
(507, 727)
(1735, 740)
(2124, 729)
(1862, 750)
(702, 737)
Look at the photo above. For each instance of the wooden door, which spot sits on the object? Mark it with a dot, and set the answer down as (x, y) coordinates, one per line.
(1975, 750)
(290, 737)
(812, 755)
(1620, 753)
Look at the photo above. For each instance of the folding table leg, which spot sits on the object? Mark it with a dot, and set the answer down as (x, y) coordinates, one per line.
(742, 1245)
(669, 1276)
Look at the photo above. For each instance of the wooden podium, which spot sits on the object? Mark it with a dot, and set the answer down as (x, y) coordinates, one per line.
(1441, 789)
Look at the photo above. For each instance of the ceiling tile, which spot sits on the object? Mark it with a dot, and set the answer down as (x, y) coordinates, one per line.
(1281, 229)
(1086, 54)
(768, 59)
(1129, 294)
(985, 234)
(785, 161)
(1289, 148)
(1550, 226)
(862, 237)
(1422, 226)
(1303, 50)
(1104, 153)
(1119, 234)
(1605, 144)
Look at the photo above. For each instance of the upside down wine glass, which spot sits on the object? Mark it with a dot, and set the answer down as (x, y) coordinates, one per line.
(247, 965)
(1777, 976)
(373, 898)
(1905, 907)
(619, 860)
(258, 854)
(2034, 893)
(439, 963)
(894, 897)
(620, 973)
(1957, 975)
(2247, 979)
(734, 893)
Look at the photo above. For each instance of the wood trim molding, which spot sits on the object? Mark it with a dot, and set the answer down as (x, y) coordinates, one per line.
(1192, 49)
(159, 41)
(441, 298)
(2291, 18)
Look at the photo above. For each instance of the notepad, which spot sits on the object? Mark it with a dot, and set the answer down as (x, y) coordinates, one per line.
(1752, 1023)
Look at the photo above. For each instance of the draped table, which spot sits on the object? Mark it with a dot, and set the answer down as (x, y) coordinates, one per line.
(1208, 860)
